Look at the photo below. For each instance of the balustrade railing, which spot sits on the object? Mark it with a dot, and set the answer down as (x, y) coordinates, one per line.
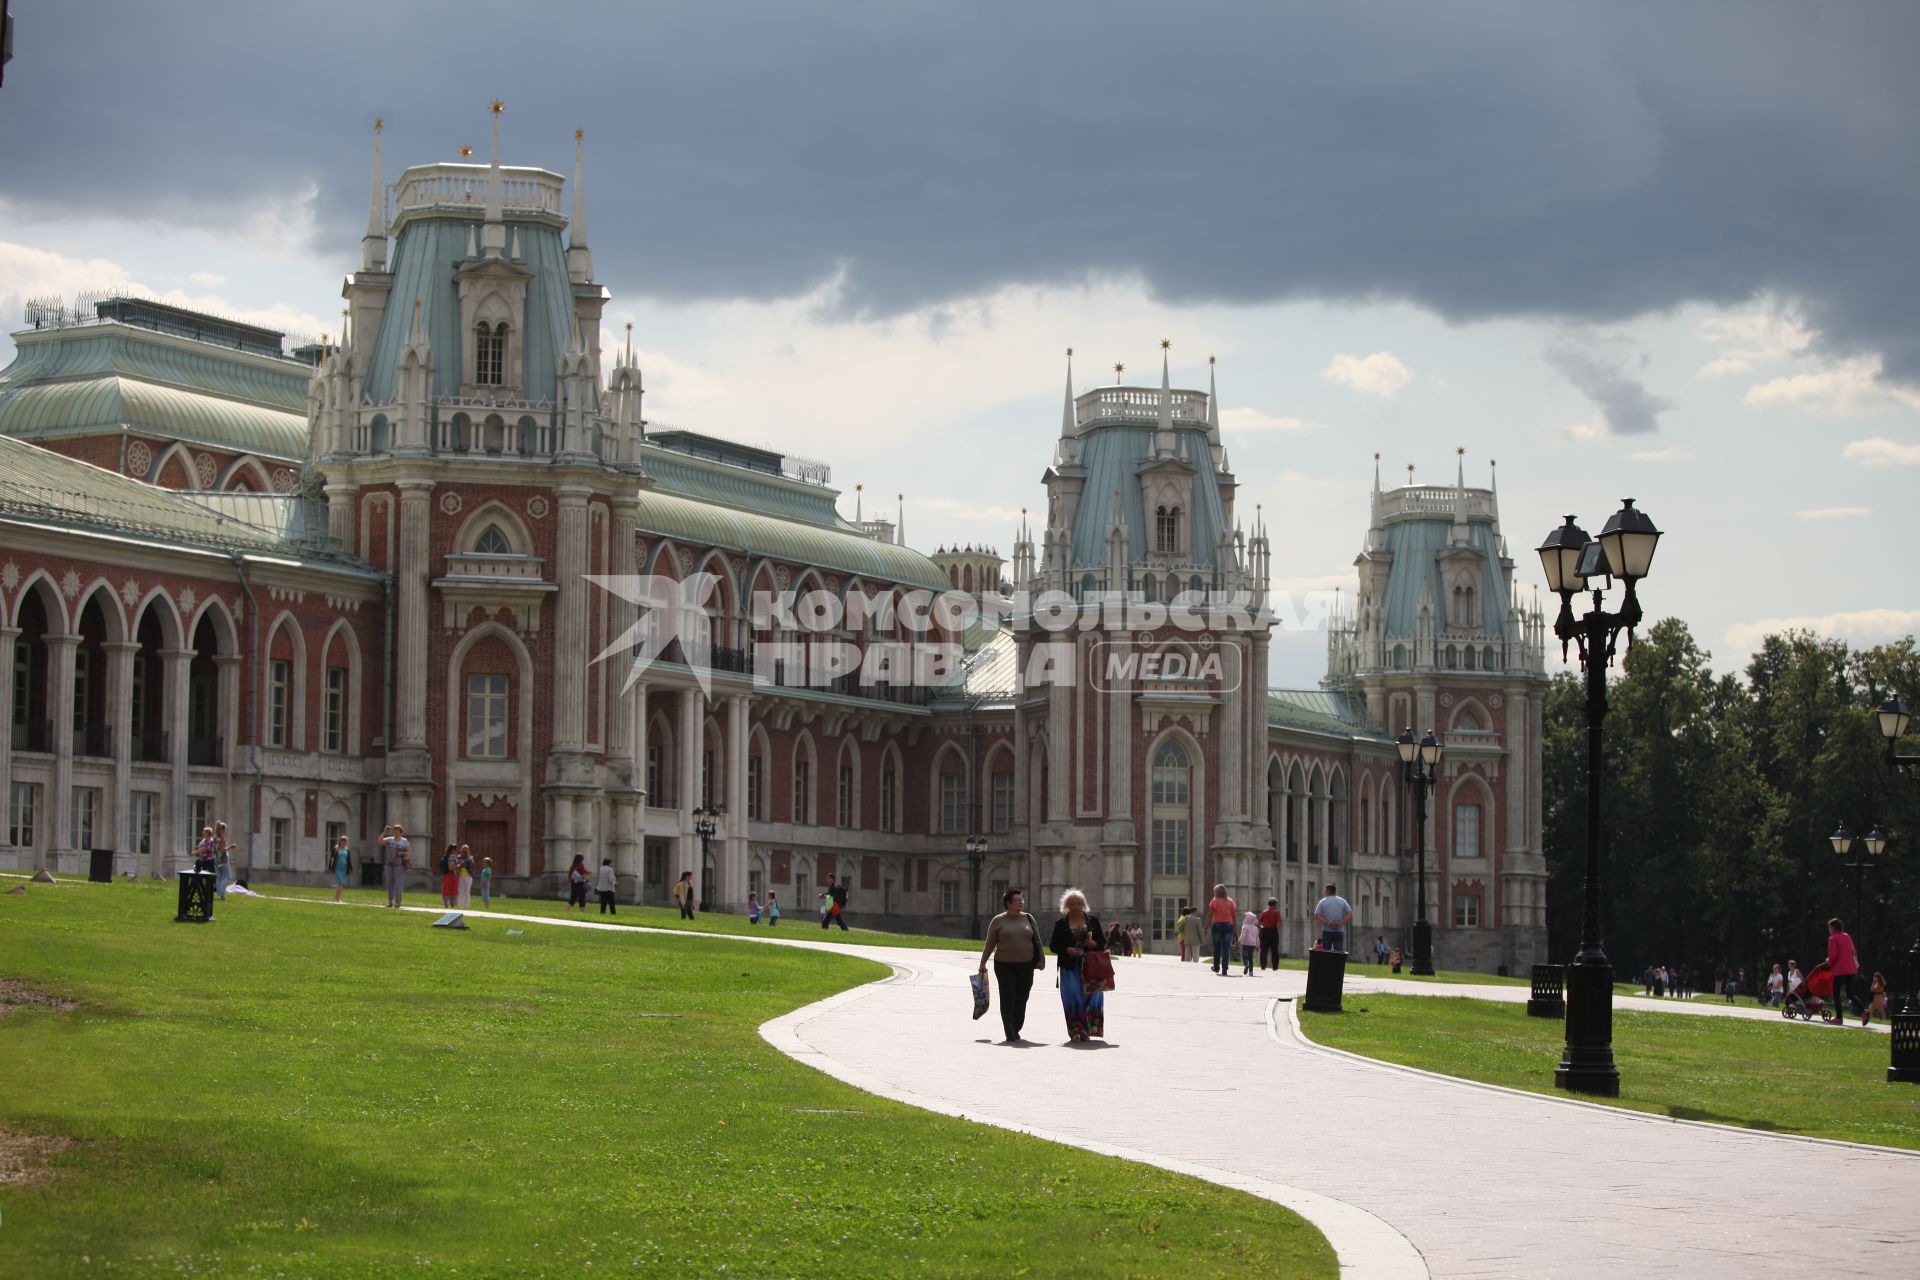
(205, 752)
(93, 740)
(1137, 404)
(33, 735)
(150, 746)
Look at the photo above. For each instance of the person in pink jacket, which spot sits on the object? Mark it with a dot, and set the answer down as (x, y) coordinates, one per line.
(1844, 965)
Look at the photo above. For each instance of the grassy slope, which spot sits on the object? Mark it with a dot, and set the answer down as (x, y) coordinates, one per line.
(324, 1091)
(1820, 1081)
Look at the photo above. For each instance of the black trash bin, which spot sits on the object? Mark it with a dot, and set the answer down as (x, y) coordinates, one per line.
(371, 874)
(100, 866)
(196, 898)
(1326, 975)
(1548, 998)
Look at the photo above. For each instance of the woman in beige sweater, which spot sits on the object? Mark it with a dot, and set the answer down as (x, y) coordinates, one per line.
(1013, 943)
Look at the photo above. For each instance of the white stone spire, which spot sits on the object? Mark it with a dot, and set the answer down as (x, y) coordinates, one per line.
(1459, 534)
(579, 257)
(1213, 405)
(373, 246)
(493, 235)
(1163, 438)
(1066, 409)
(900, 524)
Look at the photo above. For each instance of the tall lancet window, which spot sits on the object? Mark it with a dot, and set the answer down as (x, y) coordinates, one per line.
(1172, 812)
(1166, 530)
(490, 353)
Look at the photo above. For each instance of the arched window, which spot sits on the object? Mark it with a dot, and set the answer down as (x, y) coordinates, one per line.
(492, 542)
(1172, 815)
(490, 353)
(1165, 530)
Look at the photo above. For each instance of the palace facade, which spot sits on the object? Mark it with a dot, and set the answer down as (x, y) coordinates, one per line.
(319, 591)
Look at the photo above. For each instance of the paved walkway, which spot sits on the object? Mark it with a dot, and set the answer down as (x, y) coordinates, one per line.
(1409, 1174)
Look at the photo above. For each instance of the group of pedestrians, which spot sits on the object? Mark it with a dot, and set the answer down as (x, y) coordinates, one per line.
(1080, 949)
(768, 910)
(1220, 928)
(1665, 980)
(215, 853)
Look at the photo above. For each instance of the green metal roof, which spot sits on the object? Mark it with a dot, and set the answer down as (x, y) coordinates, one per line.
(1321, 711)
(1417, 545)
(40, 485)
(688, 519)
(741, 487)
(1112, 457)
(106, 404)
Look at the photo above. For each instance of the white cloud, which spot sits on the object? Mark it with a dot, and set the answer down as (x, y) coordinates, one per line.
(1833, 513)
(1850, 387)
(1878, 451)
(1748, 340)
(967, 510)
(206, 279)
(1342, 581)
(1247, 419)
(1584, 432)
(1380, 374)
(1860, 627)
(1661, 455)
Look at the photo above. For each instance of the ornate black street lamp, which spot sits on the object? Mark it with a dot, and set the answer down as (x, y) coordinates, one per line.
(1875, 844)
(1575, 563)
(1418, 761)
(706, 826)
(1894, 719)
(976, 853)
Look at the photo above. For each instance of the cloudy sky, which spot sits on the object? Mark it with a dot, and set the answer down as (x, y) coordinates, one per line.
(1664, 249)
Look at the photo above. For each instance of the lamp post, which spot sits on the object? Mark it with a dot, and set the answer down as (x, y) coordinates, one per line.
(976, 853)
(1894, 721)
(1417, 764)
(706, 827)
(1875, 844)
(1575, 563)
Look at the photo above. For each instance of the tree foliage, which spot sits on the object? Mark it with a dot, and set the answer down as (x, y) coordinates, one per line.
(1718, 797)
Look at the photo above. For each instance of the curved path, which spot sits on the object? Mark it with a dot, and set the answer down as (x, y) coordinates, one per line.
(1409, 1173)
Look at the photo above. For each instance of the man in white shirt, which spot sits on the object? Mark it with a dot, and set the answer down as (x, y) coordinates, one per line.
(1333, 912)
(606, 883)
(398, 856)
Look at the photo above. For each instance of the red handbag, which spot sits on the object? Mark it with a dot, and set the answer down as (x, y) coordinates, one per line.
(1096, 972)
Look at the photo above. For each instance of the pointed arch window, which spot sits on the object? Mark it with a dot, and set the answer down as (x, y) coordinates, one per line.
(1172, 816)
(490, 353)
(1166, 530)
(492, 542)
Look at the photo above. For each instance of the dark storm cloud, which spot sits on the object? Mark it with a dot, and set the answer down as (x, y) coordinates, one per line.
(1574, 160)
(1606, 378)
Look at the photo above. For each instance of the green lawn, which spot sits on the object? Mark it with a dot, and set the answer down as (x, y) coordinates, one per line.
(803, 926)
(308, 1091)
(1822, 1081)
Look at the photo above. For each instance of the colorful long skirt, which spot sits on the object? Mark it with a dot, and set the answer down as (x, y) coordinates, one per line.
(1086, 1014)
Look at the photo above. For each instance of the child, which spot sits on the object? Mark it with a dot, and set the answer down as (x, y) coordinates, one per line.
(486, 882)
(753, 909)
(1249, 941)
(773, 911)
(1878, 1004)
(607, 884)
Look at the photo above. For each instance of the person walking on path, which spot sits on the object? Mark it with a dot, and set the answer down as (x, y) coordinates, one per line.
(835, 897)
(1270, 935)
(577, 877)
(683, 894)
(339, 860)
(1877, 999)
(1844, 964)
(607, 884)
(1776, 988)
(449, 875)
(486, 882)
(1013, 944)
(1076, 932)
(223, 868)
(1223, 914)
(753, 908)
(1380, 950)
(1249, 942)
(1333, 912)
(396, 855)
(773, 909)
(463, 882)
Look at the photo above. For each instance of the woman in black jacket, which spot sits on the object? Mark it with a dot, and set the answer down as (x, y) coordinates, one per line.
(1076, 932)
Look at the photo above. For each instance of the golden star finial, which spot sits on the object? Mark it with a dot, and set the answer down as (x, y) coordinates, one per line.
(1165, 343)
(466, 153)
(496, 106)
(1069, 353)
(378, 123)
(1461, 451)
(1409, 473)
(579, 135)
(1118, 369)
(1209, 359)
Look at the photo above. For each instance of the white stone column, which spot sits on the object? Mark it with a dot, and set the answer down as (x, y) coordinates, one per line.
(621, 613)
(120, 719)
(341, 508)
(60, 662)
(8, 635)
(176, 666)
(570, 633)
(734, 861)
(410, 570)
(691, 735)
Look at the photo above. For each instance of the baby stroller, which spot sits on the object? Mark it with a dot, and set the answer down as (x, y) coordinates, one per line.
(1811, 996)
